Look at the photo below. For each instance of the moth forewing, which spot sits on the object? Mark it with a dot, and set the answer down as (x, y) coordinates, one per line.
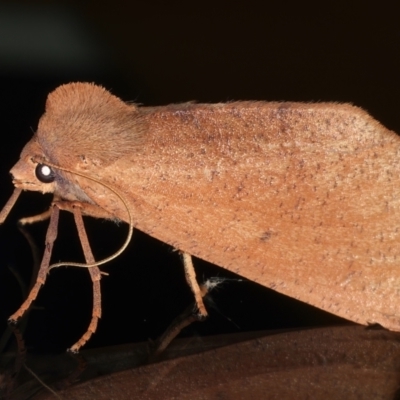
(298, 197)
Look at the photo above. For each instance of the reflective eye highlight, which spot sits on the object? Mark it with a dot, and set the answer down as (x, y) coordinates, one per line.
(44, 173)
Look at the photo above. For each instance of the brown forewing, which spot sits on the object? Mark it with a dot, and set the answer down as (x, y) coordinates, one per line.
(301, 198)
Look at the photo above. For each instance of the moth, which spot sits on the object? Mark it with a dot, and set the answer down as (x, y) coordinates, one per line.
(301, 198)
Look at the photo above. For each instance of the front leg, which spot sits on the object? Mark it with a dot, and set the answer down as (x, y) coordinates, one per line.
(51, 236)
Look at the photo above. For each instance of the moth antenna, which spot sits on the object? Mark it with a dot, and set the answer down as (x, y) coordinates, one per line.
(130, 232)
(9, 205)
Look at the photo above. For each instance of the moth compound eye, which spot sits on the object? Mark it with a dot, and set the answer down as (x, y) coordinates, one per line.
(44, 173)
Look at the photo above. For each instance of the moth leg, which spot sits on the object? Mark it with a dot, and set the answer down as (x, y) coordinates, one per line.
(51, 236)
(86, 209)
(35, 218)
(190, 274)
(39, 217)
(9, 205)
(95, 275)
(178, 324)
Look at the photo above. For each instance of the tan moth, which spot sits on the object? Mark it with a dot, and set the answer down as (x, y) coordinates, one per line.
(301, 198)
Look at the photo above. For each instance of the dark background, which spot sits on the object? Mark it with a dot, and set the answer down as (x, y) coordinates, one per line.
(158, 54)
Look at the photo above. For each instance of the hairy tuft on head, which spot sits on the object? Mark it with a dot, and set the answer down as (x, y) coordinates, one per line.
(85, 120)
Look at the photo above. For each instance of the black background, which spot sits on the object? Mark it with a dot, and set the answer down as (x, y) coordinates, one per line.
(163, 53)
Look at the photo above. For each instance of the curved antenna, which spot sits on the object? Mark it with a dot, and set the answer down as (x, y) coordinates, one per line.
(130, 232)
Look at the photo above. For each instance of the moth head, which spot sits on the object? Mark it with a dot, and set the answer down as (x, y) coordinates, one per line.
(83, 126)
(31, 172)
(35, 172)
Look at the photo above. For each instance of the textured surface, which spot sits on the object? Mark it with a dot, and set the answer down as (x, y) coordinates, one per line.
(331, 363)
